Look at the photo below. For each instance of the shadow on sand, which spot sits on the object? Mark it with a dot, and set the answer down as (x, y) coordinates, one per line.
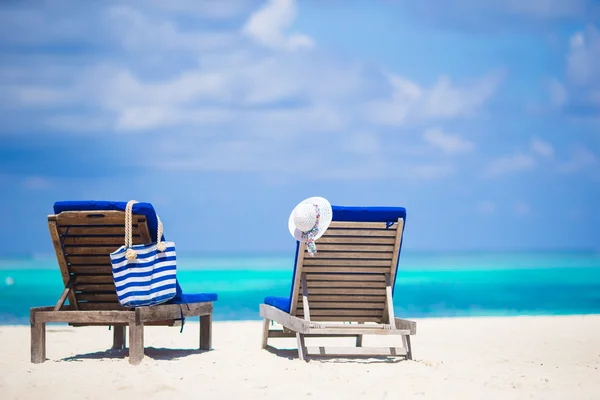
(151, 352)
(292, 354)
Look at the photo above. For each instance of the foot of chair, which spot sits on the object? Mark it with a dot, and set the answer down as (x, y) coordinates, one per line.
(136, 343)
(265, 338)
(206, 332)
(301, 347)
(38, 342)
(409, 355)
(118, 337)
(359, 340)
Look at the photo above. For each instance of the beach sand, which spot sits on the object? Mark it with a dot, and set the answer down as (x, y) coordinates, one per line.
(461, 358)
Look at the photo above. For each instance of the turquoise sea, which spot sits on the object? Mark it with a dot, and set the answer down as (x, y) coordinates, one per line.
(428, 284)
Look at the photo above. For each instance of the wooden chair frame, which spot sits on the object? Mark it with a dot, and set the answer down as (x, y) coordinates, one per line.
(351, 253)
(88, 286)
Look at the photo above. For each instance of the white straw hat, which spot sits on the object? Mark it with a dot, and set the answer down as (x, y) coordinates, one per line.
(309, 220)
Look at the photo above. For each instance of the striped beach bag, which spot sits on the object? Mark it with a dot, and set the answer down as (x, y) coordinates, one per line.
(144, 274)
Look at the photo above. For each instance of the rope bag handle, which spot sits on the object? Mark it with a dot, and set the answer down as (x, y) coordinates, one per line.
(130, 254)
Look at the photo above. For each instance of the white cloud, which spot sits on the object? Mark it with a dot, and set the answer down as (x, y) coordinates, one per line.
(583, 57)
(137, 30)
(509, 164)
(410, 103)
(213, 93)
(579, 93)
(541, 147)
(267, 26)
(450, 144)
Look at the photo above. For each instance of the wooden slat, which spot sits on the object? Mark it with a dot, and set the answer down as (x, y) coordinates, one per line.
(89, 279)
(95, 287)
(361, 225)
(97, 297)
(319, 318)
(149, 323)
(337, 329)
(346, 284)
(345, 277)
(144, 234)
(355, 351)
(96, 250)
(112, 241)
(346, 298)
(91, 269)
(84, 317)
(344, 313)
(97, 230)
(327, 247)
(355, 240)
(282, 334)
(353, 263)
(319, 269)
(96, 218)
(101, 306)
(361, 232)
(358, 291)
(93, 260)
(170, 311)
(350, 255)
(316, 305)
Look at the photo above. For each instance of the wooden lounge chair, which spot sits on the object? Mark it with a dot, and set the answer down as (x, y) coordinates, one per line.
(83, 235)
(349, 280)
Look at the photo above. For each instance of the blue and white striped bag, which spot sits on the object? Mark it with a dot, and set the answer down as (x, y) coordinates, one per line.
(144, 275)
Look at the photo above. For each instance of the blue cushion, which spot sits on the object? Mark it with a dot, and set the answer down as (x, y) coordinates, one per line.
(193, 298)
(341, 213)
(368, 214)
(147, 210)
(282, 303)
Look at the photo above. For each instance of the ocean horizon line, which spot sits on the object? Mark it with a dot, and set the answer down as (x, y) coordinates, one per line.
(4, 256)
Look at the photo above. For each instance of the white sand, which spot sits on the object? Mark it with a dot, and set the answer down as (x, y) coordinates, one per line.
(471, 358)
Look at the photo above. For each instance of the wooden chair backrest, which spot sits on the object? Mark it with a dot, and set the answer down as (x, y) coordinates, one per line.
(346, 279)
(83, 241)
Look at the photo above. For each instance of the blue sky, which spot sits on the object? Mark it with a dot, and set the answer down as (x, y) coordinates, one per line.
(481, 118)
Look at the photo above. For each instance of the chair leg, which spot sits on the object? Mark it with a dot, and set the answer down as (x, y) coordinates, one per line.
(38, 342)
(265, 333)
(301, 347)
(359, 340)
(406, 343)
(136, 343)
(119, 337)
(206, 332)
